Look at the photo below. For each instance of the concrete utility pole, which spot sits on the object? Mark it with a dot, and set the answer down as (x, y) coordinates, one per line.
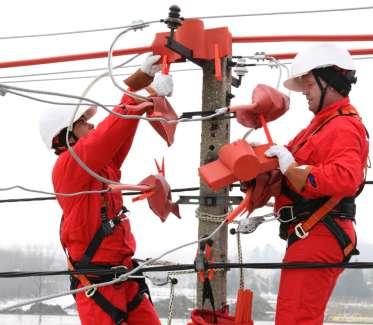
(215, 133)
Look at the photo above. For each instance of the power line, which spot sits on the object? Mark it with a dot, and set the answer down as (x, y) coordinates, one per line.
(102, 69)
(74, 32)
(107, 271)
(64, 72)
(286, 13)
(176, 190)
(105, 68)
(84, 77)
(258, 14)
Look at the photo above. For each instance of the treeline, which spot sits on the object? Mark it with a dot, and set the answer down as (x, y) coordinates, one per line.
(31, 259)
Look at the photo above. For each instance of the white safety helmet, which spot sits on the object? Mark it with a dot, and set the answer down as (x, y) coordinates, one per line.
(317, 56)
(53, 120)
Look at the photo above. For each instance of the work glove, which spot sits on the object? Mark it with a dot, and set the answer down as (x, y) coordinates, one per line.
(162, 85)
(149, 66)
(285, 158)
(145, 75)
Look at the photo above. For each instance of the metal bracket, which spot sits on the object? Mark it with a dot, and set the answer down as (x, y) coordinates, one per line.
(227, 115)
(182, 50)
(210, 200)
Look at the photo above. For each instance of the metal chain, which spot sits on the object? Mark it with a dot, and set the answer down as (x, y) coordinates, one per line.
(239, 253)
(214, 218)
(171, 303)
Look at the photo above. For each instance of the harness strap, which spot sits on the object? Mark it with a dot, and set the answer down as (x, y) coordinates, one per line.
(346, 245)
(302, 228)
(117, 315)
(106, 229)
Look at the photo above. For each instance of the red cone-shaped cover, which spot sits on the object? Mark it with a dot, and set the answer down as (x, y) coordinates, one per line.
(160, 202)
(162, 108)
(267, 101)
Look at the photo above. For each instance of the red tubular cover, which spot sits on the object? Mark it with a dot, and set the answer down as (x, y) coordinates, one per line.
(237, 161)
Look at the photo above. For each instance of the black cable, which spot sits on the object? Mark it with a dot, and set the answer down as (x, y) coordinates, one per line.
(185, 267)
(176, 190)
(49, 198)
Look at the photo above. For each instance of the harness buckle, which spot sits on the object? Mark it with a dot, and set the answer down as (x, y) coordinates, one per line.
(119, 267)
(300, 232)
(90, 292)
(290, 208)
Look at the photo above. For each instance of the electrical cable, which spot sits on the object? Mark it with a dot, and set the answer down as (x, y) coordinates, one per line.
(176, 190)
(63, 72)
(120, 74)
(52, 193)
(110, 67)
(185, 267)
(73, 32)
(296, 12)
(84, 77)
(258, 14)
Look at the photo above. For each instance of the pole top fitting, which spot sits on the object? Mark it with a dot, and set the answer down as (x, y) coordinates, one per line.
(174, 20)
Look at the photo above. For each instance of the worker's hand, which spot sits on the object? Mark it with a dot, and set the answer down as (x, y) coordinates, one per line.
(285, 158)
(149, 66)
(162, 85)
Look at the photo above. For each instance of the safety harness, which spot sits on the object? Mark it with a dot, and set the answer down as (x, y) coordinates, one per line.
(106, 229)
(304, 214)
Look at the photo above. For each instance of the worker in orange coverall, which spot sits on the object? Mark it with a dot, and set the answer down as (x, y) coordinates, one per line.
(94, 229)
(325, 160)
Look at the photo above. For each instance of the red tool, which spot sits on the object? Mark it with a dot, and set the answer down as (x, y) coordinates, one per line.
(162, 108)
(238, 161)
(159, 200)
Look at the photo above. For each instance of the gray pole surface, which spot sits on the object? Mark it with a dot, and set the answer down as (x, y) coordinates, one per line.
(215, 133)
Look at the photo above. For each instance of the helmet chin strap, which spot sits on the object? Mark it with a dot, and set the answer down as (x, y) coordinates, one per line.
(322, 90)
(59, 141)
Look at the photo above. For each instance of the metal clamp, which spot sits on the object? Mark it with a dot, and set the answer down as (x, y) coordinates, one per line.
(210, 200)
(300, 232)
(119, 267)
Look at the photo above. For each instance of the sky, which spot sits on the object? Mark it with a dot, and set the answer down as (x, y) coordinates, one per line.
(25, 160)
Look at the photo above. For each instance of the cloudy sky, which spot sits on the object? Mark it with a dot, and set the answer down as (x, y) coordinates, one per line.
(25, 161)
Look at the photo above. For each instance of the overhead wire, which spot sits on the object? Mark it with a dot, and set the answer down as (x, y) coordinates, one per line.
(83, 31)
(257, 14)
(294, 12)
(64, 72)
(23, 188)
(119, 74)
(184, 267)
(85, 77)
(31, 199)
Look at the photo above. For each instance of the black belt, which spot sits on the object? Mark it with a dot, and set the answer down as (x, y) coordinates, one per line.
(303, 209)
